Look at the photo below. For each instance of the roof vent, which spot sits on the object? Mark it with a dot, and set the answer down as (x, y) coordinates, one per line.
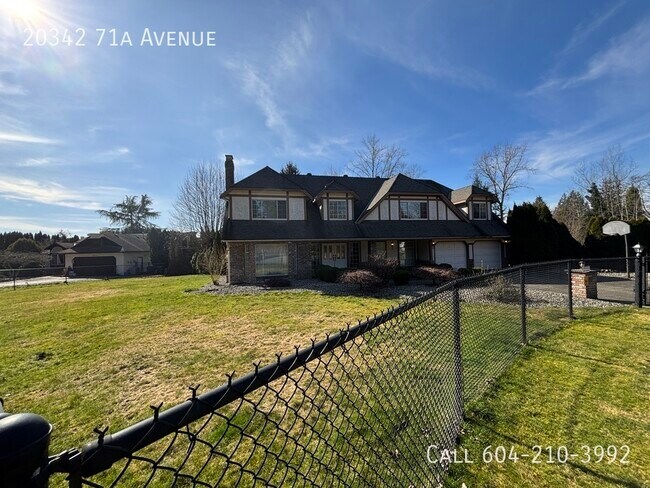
(308, 174)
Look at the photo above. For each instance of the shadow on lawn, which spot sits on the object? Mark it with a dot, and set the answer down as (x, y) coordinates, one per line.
(473, 421)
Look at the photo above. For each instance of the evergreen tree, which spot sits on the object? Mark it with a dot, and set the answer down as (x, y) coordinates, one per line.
(132, 214)
(573, 211)
(290, 169)
(595, 200)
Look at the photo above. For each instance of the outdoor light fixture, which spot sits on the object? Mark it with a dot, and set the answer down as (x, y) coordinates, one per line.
(638, 249)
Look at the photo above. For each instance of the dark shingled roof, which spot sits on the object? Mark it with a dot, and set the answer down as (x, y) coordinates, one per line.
(369, 192)
(110, 242)
(250, 230)
(462, 194)
(267, 178)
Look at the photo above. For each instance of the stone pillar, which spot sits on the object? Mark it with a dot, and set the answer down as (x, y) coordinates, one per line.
(584, 283)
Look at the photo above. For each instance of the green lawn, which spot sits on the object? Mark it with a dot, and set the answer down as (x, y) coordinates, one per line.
(99, 353)
(586, 385)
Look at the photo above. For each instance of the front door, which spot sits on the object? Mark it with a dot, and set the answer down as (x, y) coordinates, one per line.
(335, 255)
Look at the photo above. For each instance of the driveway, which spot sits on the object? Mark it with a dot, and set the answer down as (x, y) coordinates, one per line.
(42, 280)
(610, 288)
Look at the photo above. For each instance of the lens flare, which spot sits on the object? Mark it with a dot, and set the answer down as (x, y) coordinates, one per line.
(24, 10)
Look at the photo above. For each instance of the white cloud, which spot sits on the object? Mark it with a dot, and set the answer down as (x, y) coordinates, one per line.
(294, 48)
(52, 193)
(626, 55)
(432, 66)
(32, 162)
(262, 94)
(9, 137)
(555, 154)
(585, 29)
(11, 89)
(52, 223)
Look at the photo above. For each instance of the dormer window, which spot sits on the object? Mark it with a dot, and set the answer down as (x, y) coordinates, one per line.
(337, 209)
(413, 210)
(479, 210)
(269, 208)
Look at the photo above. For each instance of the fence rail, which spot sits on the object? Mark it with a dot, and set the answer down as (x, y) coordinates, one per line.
(26, 276)
(362, 407)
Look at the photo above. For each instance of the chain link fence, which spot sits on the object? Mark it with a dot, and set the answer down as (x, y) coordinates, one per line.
(371, 405)
(16, 277)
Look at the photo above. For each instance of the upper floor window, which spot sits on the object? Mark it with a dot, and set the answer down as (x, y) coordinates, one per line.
(413, 210)
(337, 209)
(479, 210)
(269, 209)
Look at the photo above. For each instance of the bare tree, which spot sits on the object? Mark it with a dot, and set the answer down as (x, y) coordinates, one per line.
(623, 190)
(502, 170)
(199, 207)
(376, 159)
(332, 170)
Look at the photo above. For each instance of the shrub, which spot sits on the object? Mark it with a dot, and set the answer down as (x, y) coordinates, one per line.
(499, 290)
(212, 260)
(383, 267)
(277, 282)
(24, 245)
(11, 260)
(436, 274)
(464, 272)
(401, 277)
(367, 280)
(327, 273)
(445, 266)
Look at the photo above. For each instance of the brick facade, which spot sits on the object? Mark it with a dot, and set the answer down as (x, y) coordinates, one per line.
(584, 283)
(241, 261)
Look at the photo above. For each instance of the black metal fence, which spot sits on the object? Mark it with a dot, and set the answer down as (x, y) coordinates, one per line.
(368, 406)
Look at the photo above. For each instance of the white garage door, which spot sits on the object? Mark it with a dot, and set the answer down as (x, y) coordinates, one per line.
(487, 254)
(451, 253)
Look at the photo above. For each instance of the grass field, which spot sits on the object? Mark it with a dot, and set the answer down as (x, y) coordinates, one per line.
(102, 352)
(586, 385)
(99, 353)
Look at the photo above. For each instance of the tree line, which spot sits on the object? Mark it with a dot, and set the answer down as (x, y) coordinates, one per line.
(610, 188)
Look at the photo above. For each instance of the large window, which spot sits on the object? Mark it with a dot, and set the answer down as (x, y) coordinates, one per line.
(337, 209)
(271, 260)
(269, 209)
(479, 210)
(413, 210)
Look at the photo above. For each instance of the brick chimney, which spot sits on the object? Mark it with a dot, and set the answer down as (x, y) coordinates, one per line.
(230, 171)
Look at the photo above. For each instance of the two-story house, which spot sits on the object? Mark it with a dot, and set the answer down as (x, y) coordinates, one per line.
(282, 225)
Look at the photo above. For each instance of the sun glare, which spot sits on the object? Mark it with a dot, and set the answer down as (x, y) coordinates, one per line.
(26, 10)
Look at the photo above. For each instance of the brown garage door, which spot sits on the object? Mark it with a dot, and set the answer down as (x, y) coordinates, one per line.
(95, 266)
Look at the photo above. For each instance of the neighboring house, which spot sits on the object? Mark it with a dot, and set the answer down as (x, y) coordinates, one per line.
(109, 253)
(55, 251)
(283, 225)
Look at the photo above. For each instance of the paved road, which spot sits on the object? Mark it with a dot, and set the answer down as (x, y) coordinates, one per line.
(43, 280)
(610, 288)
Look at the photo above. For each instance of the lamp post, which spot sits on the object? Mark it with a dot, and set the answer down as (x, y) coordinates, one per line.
(638, 276)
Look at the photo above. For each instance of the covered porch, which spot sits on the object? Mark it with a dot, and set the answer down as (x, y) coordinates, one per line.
(485, 254)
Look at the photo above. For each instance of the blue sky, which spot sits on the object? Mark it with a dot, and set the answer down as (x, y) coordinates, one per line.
(80, 127)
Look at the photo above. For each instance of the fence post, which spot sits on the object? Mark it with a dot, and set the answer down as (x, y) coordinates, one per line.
(638, 285)
(24, 445)
(458, 355)
(570, 290)
(522, 298)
